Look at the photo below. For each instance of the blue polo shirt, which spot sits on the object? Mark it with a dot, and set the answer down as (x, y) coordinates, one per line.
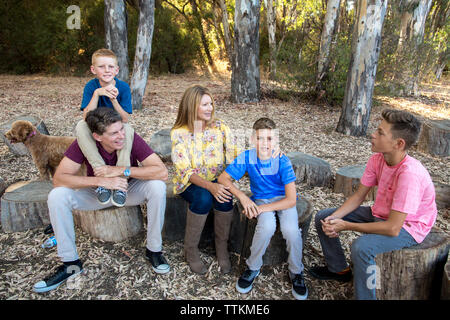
(124, 97)
(267, 177)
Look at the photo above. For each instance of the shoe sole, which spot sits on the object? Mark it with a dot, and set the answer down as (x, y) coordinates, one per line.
(117, 204)
(298, 296)
(245, 290)
(159, 271)
(319, 277)
(50, 288)
(104, 202)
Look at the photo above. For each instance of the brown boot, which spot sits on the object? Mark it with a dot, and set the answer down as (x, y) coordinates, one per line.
(222, 226)
(194, 227)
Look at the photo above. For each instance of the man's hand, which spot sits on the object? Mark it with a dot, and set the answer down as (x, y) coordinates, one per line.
(220, 192)
(251, 210)
(116, 183)
(331, 226)
(108, 171)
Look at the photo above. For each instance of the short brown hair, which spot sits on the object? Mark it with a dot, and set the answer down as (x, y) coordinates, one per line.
(103, 53)
(403, 125)
(100, 119)
(264, 123)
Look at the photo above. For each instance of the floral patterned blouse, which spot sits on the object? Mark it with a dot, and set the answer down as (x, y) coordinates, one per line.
(205, 153)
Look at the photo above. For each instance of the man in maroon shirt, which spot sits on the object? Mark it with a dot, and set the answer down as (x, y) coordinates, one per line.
(143, 183)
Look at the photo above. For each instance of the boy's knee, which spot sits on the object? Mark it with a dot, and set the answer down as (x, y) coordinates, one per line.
(290, 231)
(322, 214)
(360, 248)
(267, 227)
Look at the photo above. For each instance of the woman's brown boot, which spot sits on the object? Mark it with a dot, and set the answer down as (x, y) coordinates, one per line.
(194, 227)
(222, 226)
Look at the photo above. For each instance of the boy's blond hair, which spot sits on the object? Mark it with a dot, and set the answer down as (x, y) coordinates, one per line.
(103, 53)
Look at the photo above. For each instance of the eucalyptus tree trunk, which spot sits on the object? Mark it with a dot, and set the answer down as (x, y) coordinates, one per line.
(245, 78)
(143, 52)
(366, 41)
(198, 21)
(328, 35)
(414, 14)
(226, 29)
(272, 28)
(116, 34)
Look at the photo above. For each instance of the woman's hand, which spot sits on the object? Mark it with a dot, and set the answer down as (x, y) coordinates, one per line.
(220, 192)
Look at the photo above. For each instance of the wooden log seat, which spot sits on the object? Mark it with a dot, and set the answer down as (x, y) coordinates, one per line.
(348, 179)
(414, 273)
(112, 224)
(24, 206)
(242, 230)
(435, 137)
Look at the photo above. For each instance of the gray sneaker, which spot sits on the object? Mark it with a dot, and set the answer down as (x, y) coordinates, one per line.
(103, 195)
(245, 282)
(119, 198)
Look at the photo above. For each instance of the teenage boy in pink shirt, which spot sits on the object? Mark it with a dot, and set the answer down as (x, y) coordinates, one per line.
(402, 215)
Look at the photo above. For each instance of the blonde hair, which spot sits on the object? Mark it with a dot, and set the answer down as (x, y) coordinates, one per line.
(187, 110)
(103, 53)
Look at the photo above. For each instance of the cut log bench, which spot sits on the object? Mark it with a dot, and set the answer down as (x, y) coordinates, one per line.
(435, 138)
(445, 289)
(24, 206)
(414, 273)
(243, 229)
(310, 170)
(348, 179)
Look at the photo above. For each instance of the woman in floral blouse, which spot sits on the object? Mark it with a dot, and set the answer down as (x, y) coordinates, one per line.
(201, 148)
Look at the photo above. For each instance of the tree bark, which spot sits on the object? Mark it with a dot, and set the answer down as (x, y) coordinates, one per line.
(116, 34)
(143, 52)
(413, 273)
(24, 206)
(226, 29)
(412, 30)
(272, 28)
(245, 77)
(366, 42)
(327, 38)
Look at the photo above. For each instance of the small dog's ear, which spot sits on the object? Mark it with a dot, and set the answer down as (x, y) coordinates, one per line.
(24, 129)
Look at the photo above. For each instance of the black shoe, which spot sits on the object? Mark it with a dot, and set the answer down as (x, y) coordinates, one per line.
(119, 198)
(62, 273)
(322, 273)
(299, 290)
(103, 195)
(159, 263)
(245, 282)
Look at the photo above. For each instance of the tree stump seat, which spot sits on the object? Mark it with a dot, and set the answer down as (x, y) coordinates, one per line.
(435, 137)
(310, 170)
(445, 289)
(24, 206)
(413, 273)
(243, 229)
(112, 224)
(348, 179)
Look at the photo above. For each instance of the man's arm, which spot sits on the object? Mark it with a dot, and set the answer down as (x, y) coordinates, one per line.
(66, 176)
(152, 169)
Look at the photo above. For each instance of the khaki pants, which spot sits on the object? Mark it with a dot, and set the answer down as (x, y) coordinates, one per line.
(89, 148)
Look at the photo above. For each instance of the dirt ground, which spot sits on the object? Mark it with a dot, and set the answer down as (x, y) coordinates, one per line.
(119, 271)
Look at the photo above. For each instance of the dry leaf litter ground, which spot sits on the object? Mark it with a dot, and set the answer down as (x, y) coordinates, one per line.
(119, 271)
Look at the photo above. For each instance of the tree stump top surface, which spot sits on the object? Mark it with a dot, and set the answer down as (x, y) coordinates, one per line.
(440, 124)
(297, 156)
(434, 239)
(33, 191)
(355, 171)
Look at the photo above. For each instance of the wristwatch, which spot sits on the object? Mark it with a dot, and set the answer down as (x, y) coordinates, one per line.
(127, 172)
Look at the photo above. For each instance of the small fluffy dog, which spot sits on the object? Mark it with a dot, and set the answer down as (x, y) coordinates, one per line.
(46, 151)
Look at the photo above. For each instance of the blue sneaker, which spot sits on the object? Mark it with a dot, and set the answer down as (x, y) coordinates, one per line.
(245, 282)
(103, 195)
(119, 198)
(61, 275)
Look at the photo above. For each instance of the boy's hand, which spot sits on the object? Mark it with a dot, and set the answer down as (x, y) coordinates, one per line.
(277, 153)
(220, 192)
(116, 183)
(251, 210)
(108, 171)
(328, 227)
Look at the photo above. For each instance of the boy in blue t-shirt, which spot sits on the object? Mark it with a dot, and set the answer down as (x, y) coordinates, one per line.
(272, 182)
(106, 91)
